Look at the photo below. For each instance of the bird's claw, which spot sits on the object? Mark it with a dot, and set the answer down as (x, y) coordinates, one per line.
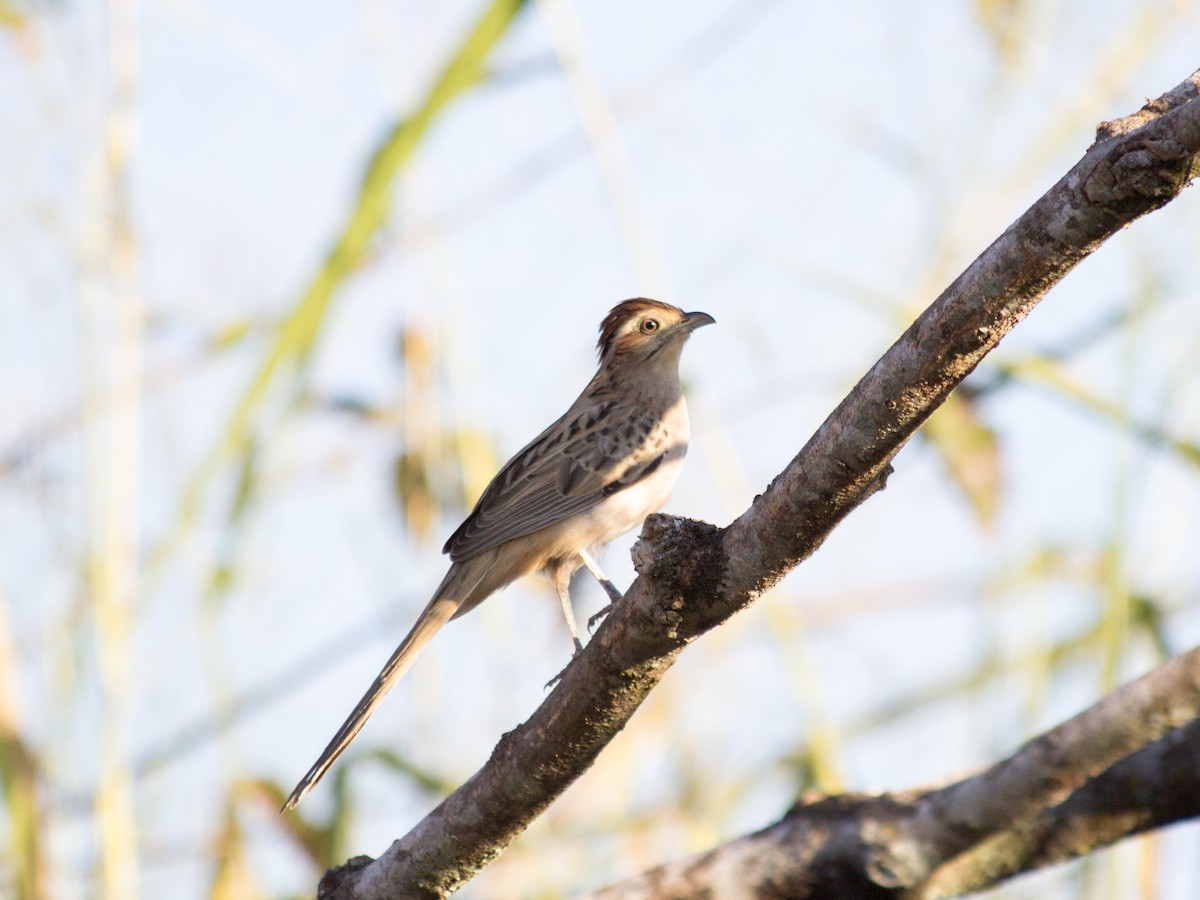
(574, 656)
(591, 623)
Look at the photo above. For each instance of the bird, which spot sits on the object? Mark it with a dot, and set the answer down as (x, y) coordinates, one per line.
(597, 472)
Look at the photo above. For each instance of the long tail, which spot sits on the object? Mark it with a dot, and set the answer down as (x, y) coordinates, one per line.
(436, 614)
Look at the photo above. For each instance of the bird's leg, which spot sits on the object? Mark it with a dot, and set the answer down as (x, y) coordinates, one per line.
(614, 596)
(594, 567)
(562, 584)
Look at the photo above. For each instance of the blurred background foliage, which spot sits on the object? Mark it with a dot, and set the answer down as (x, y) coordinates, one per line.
(282, 284)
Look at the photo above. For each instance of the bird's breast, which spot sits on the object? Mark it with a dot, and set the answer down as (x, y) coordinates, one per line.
(621, 511)
(625, 509)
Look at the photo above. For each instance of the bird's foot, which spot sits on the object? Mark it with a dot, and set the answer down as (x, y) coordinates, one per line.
(614, 595)
(574, 656)
(594, 620)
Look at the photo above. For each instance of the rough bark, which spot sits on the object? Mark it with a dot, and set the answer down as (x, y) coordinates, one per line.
(694, 576)
(1123, 766)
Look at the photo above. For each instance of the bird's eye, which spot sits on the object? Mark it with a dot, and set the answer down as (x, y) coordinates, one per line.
(648, 326)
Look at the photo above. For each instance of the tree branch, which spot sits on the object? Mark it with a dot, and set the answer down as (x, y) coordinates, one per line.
(1044, 804)
(1154, 787)
(693, 576)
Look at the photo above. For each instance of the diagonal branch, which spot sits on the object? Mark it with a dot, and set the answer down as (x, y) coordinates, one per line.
(694, 576)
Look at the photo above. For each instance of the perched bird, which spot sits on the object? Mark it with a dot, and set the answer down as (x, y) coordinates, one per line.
(593, 475)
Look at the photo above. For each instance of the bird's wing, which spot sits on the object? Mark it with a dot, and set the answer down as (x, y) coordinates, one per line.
(587, 455)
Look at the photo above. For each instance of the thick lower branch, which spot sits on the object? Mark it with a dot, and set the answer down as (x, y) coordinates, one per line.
(1123, 766)
(1155, 787)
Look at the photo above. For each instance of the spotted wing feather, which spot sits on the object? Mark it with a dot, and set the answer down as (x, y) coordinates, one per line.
(573, 465)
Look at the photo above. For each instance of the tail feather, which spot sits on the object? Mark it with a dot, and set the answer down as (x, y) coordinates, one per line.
(436, 614)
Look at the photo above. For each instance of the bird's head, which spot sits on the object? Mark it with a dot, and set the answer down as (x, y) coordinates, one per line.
(641, 329)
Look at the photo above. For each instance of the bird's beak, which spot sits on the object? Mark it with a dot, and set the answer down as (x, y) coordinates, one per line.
(693, 320)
